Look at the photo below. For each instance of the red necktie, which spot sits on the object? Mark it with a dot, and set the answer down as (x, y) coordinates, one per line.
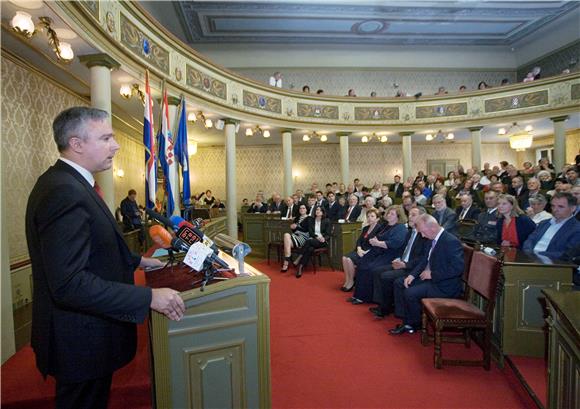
(99, 190)
(348, 214)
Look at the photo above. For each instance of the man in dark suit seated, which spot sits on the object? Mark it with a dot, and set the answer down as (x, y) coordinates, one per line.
(291, 209)
(311, 206)
(485, 230)
(352, 211)
(438, 276)
(397, 187)
(444, 215)
(556, 236)
(258, 206)
(416, 249)
(333, 208)
(321, 201)
(576, 193)
(519, 191)
(85, 302)
(277, 206)
(467, 210)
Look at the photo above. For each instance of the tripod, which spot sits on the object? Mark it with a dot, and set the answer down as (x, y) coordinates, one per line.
(209, 272)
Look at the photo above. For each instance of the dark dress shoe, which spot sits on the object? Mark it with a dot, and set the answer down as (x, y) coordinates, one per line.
(283, 270)
(377, 312)
(356, 301)
(299, 271)
(350, 299)
(401, 329)
(347, 289)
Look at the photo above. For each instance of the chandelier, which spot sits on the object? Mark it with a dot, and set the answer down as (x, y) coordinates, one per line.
(520, 138)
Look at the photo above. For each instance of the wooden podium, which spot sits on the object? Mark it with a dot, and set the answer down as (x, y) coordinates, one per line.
(218, 355)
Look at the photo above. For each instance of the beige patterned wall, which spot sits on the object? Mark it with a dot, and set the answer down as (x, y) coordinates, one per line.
(260, 168)
(338, 81)
(130, 158)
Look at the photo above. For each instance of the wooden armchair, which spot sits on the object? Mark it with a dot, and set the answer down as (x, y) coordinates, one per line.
(443, 314)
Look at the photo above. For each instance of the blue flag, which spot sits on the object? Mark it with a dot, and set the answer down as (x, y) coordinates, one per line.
(182, 155)
(150, 151)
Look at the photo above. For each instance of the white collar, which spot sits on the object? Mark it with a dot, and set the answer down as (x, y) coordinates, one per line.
(84, 173)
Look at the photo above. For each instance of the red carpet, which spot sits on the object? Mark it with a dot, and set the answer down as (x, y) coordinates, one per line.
(326, 353)
(534, 371)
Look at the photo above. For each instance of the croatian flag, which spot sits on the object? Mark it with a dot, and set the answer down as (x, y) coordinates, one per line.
(182, 155)
(166, 155)
(150, 151)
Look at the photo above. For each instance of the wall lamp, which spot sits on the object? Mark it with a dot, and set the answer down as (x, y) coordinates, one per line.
(367, 139)
(23, 25)
(308, 137)
(128, 91)
(199, 116)
(440, 136)
(258, 131)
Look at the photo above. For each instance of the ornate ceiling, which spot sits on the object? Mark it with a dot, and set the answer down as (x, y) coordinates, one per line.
(466, 22)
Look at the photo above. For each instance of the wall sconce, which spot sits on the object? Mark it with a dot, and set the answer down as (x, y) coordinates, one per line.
(128, 91)
(191, 148)
(367, 139)
(309, 137)
(23, 25)
(258, 131)
(120, 173)
(208, 123)
(191, 117)
(440, 136)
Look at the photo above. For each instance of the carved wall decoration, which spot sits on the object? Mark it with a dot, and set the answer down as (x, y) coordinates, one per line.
(199, 80)
(528, 100)
(376, 113)
(575, 92)
(178, 74)
(110, 22)
(317, 111)
(92, 7)
(134, 39)
(262, 102)
(443, 110)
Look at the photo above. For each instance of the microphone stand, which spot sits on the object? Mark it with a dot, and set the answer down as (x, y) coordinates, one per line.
(170, 260)
(209, 272)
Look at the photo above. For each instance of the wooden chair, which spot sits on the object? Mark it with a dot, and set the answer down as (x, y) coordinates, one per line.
(443, 314)
(317, 255)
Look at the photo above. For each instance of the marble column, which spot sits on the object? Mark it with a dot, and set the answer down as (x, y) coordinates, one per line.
(407, 154)
(476, 146)
(559, 159)
(231, 194)
(344, 157)
(287, 156)
(100, 66)
(173, 104)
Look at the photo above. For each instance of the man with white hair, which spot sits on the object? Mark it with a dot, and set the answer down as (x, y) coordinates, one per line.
(438, 276)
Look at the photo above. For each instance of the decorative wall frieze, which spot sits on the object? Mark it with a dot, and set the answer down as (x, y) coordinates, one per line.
(196, 79)
(442, 110)
(376, 113)
(141, 44)
(263, 102)
(531, 99)
(575, 91)
(92, 7)
(317, 111)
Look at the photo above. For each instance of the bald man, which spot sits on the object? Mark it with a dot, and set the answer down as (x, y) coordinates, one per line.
(438, 276)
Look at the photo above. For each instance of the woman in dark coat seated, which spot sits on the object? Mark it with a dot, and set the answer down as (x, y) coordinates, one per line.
(298, 237)
(319, 232)
(350, 260)
(386, 246)
(513, 226)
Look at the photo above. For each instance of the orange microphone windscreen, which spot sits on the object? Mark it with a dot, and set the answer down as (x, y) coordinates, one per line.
(160, 235)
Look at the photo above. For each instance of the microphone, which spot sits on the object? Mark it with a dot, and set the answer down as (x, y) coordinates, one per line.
(160, 218)
(161, 236)
(190, 232)
(179, 245)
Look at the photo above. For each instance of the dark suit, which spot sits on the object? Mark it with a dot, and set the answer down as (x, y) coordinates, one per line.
(293, 211)
(398, 189)
(566, 238)
(85, 306)
(354, 214)
(447, 219)
(280, 207)
(446, 265)
(472, 213)
(333, 211)
(383, 281)
(254, 209)
(313, 243)
(485, 229)
(522, 197)
(524, 227)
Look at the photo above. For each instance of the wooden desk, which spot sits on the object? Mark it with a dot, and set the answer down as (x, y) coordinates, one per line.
(564, 349)
(342, 241)
(218, 355)
(519, 322)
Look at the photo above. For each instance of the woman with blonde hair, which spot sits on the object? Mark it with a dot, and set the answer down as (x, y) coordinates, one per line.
(387, 245)
(513, 226)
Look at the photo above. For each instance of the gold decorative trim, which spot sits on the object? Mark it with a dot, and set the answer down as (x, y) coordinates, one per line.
(93, 7)
(266, 103)
(375, 113)
(442, 110)
(196, 79)
(140, 44)
(317, 111)
(519, 101)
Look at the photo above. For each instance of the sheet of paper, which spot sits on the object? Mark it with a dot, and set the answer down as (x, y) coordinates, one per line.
(160, 253)
(196, 255)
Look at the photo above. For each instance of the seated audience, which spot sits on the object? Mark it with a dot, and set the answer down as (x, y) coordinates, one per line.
(546, 182)
(311, 206)
(245, 202)
(306, 89)
(518, 190)
(416, 249)
(572, 177)
(218, 204)
(351, 93)
(298, 237)
(291, 208)
(462, 88)
(385, 198)
(276, 80)
(319, 92)
(513, 226)
(418, 196)
(544, 164)
(319, 234)
(208, 200)
(483, 85)
(441, 91)
(351, 260)
(385, 247)
(528, 168)
(258, 206)
(332, 207)
(467, 210)
(376, 191)
(368, 203)
(353, 211)
(556, 236)
(437, 276)
(132, 215)
(320, 200)
(397, 186)
(576, 192)
(537, 209)
(444, 215)
(277, 206)
(485, 231)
